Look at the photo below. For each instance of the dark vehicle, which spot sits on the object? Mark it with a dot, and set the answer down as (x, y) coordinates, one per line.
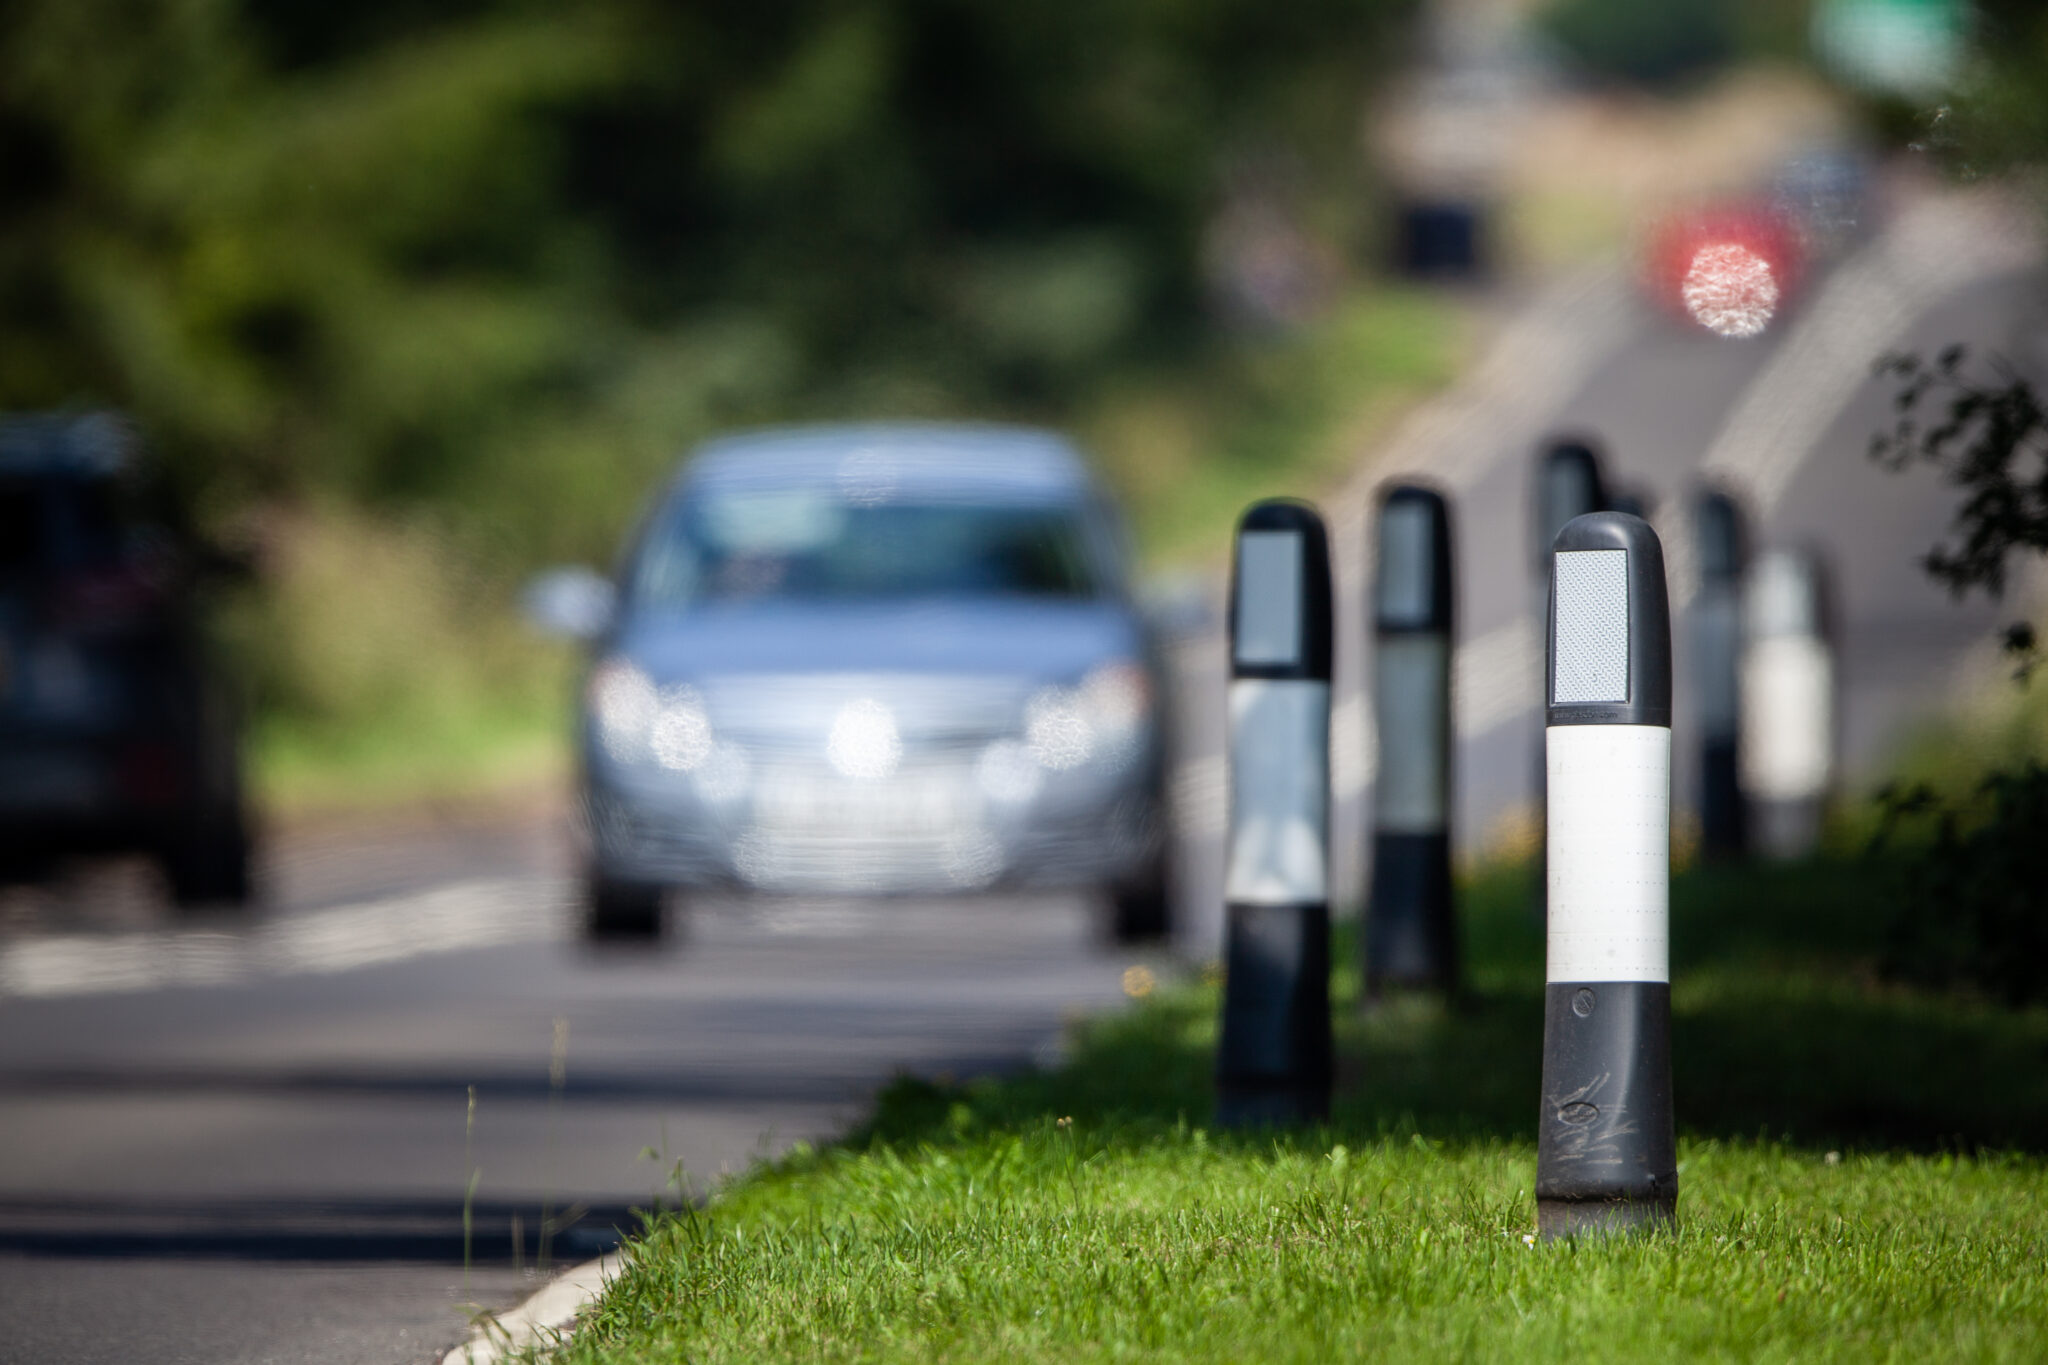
(887, 659)
(115, 733)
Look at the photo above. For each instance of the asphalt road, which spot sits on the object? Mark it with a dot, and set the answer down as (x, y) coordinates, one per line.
(249, 1140)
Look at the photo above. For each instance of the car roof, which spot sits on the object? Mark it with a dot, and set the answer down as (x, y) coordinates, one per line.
(87, 445)
(895, 460)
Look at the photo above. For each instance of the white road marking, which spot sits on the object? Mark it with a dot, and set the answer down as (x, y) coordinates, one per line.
(547, 1316)
(465, 915)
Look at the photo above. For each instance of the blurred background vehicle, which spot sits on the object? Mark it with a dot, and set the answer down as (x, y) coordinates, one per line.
(872, 659)
(116, 731)
(1729, 268)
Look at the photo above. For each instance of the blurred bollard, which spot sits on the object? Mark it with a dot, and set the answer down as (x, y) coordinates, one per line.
(1605, 1153)
(1569, 484)
(1273, 1062)
(1721, 546)
(1632, 499)
(1787, 749)
(1410, 930)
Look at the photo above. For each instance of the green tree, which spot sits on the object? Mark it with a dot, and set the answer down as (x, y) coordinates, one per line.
(505, 259)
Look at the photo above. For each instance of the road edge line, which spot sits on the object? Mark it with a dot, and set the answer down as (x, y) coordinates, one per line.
(552, 1308)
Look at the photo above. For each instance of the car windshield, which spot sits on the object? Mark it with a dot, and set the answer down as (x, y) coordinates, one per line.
(762, 545)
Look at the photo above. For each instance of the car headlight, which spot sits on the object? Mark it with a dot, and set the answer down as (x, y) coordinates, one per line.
(622, 701)
(681, 733)
(1102, 719)
(638, 723)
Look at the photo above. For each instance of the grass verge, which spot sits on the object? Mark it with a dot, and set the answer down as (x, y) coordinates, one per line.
(1861, 1178)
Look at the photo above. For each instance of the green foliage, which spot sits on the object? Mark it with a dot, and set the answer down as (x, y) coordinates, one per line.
(1091, 1212)
(506, 260)
(1990, 442)
(1966, 906)
(1650, 44)
(490, 266)
(1995, 119)
(1190, 446)
(384, 664)
(1676, 42)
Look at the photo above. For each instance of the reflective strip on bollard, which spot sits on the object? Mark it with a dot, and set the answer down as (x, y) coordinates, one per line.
(1606, 1157)
(1273, 1063)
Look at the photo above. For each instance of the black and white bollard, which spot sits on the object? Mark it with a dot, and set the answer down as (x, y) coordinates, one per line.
(1273, 1063)
(1606, 1158)
(1410, 929)
(1722, 554)
(1788, 720)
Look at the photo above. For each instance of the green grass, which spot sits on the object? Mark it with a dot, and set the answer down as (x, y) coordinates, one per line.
(486, 750)
(1860, 1179)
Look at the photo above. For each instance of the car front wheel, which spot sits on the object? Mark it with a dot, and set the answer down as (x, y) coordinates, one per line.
(617, 910)
(1141, 911)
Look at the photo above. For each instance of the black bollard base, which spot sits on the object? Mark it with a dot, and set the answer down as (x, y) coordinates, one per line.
(1604, 1139)
(1290, 1108)
(1557, 1218)
(1724, 815)
(1273, 1062)
(1788, 828)
(1411, 936)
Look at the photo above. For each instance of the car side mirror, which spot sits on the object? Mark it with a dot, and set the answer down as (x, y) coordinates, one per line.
(574, 602)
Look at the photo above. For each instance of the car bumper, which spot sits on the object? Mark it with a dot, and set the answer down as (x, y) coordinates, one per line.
(922, 833)
(88, 791)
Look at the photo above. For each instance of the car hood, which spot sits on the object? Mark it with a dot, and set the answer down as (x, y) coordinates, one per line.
(1050, 641)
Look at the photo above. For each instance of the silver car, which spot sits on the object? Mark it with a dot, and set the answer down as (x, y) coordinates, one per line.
(875, 659)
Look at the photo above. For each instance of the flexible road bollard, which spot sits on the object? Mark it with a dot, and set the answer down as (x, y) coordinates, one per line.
(1788, 719)
(1605, 1154)
(1273, 1061)
(1716, 672)
(1410, 930)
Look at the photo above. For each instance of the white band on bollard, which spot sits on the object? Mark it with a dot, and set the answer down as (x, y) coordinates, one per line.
(1788, 728)
(1280, 805)
(1610, 852)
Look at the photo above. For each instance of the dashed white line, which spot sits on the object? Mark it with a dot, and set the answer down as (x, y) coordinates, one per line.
(465, 915)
